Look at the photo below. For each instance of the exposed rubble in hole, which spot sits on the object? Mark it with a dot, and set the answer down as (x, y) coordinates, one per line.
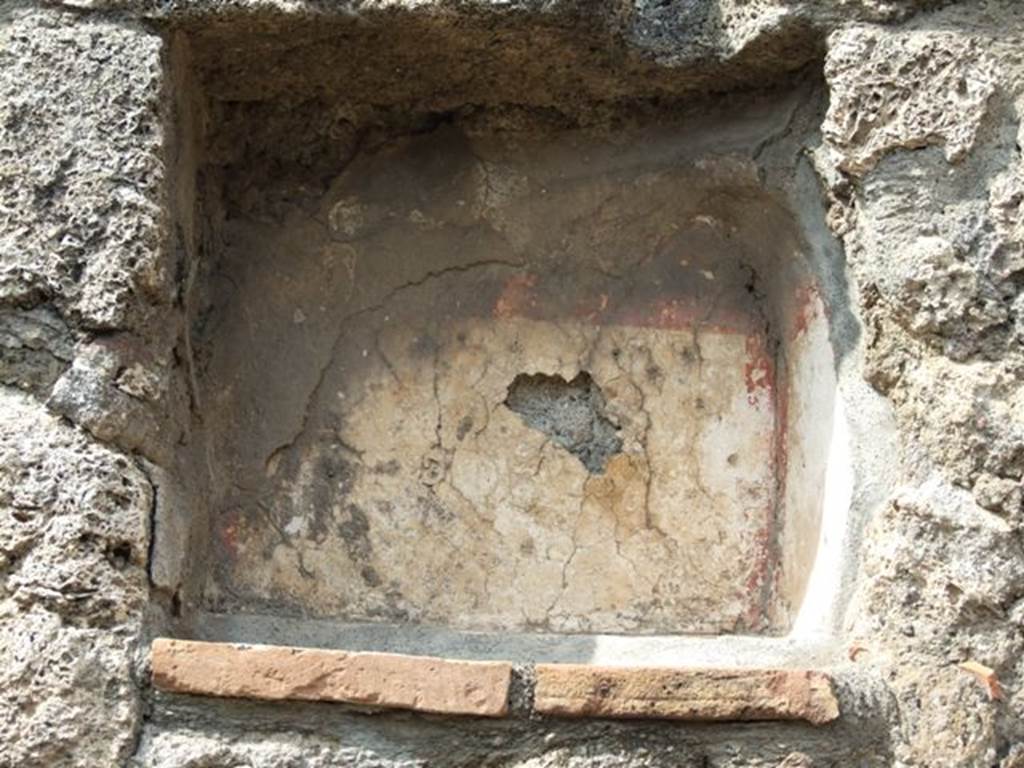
(571, 412)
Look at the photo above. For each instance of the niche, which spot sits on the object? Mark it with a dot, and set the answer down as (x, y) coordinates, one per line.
(499, 373)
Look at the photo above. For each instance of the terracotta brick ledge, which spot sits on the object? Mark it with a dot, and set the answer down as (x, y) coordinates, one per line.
(419, 683)
(571, 690)
(481, 688)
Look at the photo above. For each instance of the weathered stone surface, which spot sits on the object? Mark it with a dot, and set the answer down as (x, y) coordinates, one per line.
(905, 92)
(274, 673)
(571, 690)
(81, 252)
(253, 736)
(922, 167)
(73, 534)
(81, 214)
(921, 200)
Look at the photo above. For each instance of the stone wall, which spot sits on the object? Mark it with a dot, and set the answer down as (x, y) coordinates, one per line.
(111, 213)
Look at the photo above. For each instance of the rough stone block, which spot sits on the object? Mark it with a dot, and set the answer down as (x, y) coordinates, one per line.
(393, 681)
(685, 694)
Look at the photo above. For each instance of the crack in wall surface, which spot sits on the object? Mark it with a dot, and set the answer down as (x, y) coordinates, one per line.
(344, 326)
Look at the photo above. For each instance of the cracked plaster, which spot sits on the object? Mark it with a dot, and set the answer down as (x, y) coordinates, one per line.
(409, 490)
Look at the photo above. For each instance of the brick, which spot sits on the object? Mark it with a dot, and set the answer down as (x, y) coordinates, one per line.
(571, 690)
(386, 680)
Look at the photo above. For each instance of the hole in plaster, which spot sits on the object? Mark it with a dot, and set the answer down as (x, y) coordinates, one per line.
(572, 413)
